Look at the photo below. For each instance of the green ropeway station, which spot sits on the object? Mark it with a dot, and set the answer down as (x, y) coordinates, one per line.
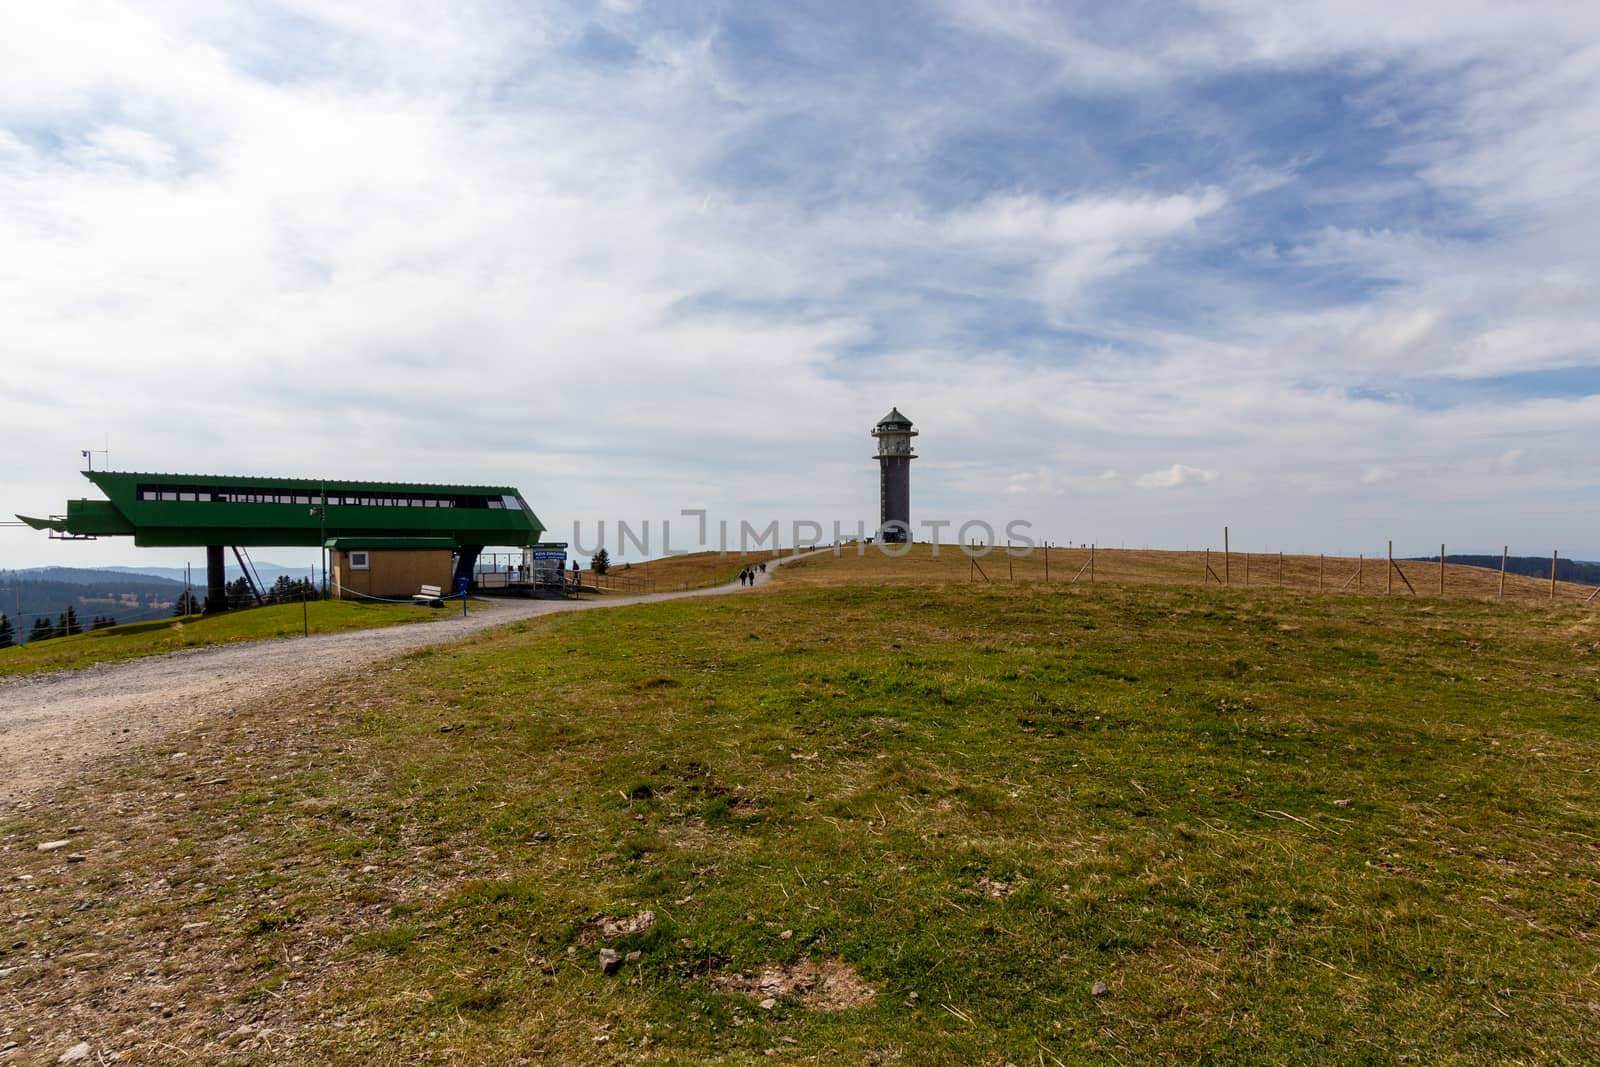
(191, 510)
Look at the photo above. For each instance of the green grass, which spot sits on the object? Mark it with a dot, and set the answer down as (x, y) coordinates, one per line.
(1277, 827)
(159, 636)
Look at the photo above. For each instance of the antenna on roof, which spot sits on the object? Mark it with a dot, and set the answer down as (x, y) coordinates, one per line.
(88, 455)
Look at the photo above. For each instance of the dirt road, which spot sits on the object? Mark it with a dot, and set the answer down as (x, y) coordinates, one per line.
(52, 725)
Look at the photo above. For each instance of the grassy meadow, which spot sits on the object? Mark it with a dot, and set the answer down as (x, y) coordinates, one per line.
(135, 639)
(874, 818)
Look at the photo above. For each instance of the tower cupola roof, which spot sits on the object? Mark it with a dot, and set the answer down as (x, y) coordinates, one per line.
(894, 421)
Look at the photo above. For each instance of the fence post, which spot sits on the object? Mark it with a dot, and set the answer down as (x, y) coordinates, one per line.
(1441, 568)
(1247, 568)
(1553, 554)
(1505, 551)
(1091, 564)
(1227, 571)
(1047, 561)
(1011, 574)
(1280, 570)
(1320, 559)
(1388, 575)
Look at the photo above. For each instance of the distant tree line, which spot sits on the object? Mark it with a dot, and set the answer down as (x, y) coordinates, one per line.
(240, 594)
(1567, 570)
(43, 629)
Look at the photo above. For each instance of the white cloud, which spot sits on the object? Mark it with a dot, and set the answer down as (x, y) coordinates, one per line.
(1374, 475)
(1174, 476)
(1076, 243)
(435, 242)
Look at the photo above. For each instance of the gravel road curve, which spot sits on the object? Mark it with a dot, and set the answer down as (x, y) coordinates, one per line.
(53, 725)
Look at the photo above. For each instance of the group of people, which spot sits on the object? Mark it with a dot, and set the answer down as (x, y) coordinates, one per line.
(748, 575)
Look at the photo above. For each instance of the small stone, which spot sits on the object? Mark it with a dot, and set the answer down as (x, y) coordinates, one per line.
(635, 956)
(541, 835)
(786, 935)
(76, 1054)
(769, 1004)
(74, 829)
(1100, 989)
(1341, 803)
(610, 960)
(76, 857)
(51, 846)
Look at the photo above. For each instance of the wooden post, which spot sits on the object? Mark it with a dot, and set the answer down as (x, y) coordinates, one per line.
(1011, 574)
(1227, 571)
(1553, 554)
(1388, 576)
(1319, 571)
(1091, 564)
(1047, 561)
(1396, 568)
(1441, 569)
(1505, 551)
(1205, 576)
(1247, 568)
(1081, 569)
(1280, 570)
(1361, 561)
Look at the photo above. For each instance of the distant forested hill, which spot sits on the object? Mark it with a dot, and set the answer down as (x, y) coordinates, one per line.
(47, 592)
(1567, 570)
(268, 572)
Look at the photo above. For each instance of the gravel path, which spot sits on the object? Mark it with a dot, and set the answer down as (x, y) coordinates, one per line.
(53, 725)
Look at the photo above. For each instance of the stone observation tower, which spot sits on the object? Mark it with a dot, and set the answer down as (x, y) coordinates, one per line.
(894, 434)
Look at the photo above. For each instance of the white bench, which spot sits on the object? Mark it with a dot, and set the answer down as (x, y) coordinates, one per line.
(430, 595)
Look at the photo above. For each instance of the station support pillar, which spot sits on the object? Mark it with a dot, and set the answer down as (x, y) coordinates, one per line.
(216, 580)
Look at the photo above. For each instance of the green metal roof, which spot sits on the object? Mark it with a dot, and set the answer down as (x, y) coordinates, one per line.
(446, 544)
(180, 510)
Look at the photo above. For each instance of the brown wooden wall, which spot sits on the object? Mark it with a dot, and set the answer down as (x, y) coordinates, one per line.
(394, 573)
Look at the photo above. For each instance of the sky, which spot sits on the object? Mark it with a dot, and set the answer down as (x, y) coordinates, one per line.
(1323, 272)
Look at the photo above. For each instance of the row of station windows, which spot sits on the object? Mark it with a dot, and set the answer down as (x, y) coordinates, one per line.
(192, 494)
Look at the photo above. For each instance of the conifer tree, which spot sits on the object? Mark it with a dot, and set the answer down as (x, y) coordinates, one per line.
(7, 639)
(43, 629)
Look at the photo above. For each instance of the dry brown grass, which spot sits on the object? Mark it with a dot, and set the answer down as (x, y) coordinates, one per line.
(1349, 574)
(698, 569)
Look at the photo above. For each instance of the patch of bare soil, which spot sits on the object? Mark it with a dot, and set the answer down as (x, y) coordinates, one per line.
(608, 928)
(821, 985)
(994, 890)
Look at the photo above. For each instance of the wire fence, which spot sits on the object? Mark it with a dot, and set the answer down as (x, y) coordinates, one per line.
(1500, 576)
